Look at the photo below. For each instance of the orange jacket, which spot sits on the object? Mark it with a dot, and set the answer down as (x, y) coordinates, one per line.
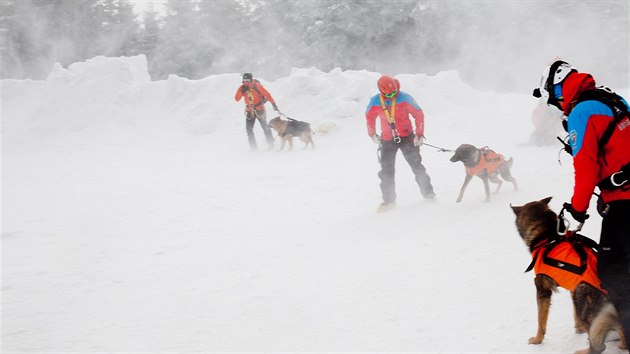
(562, 263)
(489, 160)
(254, 94)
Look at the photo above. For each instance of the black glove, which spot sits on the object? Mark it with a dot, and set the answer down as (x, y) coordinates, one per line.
(243, 89)
(579, 216)
(275, 107)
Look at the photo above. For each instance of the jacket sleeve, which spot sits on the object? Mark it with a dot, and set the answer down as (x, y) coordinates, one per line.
(585, 165)
(587, 122)
(418, 115)
(371, 113)
(265, 93)
(370, 117)
(239, 94)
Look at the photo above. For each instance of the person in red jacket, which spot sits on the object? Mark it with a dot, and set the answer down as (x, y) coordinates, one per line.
(255, 98)
(393, 107)
(599, 134)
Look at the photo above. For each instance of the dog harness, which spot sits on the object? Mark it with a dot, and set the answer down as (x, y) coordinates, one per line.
(489, 161)
(569, 260)
(295, 127)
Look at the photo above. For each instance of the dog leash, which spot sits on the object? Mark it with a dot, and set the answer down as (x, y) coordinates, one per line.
(440, 149)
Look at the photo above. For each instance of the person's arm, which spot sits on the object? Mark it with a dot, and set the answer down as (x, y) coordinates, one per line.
(371, 113)
(263, 91)
(418, 116)
(584, 143)
(417, 113)
(239, 93)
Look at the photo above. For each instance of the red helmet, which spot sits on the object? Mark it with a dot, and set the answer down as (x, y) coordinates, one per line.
(388, 86)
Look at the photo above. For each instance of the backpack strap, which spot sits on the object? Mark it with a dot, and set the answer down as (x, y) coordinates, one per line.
(255, 85)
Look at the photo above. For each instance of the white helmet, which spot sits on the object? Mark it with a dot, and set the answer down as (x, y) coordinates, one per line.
(553, 75)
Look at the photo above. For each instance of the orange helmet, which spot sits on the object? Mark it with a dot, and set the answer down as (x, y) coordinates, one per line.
(388, 86)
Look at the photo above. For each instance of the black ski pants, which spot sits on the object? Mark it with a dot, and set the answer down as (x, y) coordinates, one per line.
(411, 153)
(250, 119)
(614, 259)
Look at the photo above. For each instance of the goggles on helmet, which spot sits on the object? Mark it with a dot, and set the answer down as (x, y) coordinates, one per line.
(391, 95)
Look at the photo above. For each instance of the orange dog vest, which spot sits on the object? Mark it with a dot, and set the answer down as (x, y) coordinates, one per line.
(489, 160)
(568, 262)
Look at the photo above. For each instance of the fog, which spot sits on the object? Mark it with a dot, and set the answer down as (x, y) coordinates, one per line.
(495, 45)
(136, 220)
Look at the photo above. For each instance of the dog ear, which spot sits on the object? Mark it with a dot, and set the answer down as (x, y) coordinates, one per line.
(516, 209)
(546, 200)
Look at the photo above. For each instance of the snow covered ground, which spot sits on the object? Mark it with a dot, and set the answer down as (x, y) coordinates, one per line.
(134, 219)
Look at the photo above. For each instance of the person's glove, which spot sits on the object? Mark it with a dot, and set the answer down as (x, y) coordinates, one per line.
(275, 107)
(376, 138)
(579, 216)
(418, 140)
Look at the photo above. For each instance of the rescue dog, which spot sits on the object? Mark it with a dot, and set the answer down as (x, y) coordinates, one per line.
(538, 227)
(287, 129)
(485, 164)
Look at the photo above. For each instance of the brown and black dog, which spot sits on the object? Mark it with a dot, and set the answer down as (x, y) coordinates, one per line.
(538, 227)
(485, 164)
(287, 129)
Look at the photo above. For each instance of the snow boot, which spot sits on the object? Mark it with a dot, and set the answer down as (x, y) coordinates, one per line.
(431, 198)
(385, 207)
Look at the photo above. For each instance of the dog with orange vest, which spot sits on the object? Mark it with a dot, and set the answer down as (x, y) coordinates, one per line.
(567, 260)
(485, 164)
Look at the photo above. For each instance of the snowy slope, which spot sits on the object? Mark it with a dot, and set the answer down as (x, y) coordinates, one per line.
(135, 220)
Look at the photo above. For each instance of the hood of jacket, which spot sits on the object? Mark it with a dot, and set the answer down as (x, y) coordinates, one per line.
(572, 87)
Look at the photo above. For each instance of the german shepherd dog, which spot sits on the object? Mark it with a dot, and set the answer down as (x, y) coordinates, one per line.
(485, 164)
(593, 314)
(287, 129)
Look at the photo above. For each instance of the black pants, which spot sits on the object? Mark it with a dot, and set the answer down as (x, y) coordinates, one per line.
(387, 174)
(614, 259)
(249, 127)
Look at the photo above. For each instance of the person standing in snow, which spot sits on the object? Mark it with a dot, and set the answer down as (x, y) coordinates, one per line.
(393, 107)
(255, 98)
(599, 133)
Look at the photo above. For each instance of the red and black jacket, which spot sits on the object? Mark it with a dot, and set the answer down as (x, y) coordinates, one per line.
(587, 122)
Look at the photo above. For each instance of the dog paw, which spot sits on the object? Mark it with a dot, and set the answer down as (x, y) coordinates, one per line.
(535, 340)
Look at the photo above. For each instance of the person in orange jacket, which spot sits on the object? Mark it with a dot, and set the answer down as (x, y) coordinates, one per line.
(255, 98)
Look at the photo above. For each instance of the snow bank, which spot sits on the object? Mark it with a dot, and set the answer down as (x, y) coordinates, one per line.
(191, 243)
(109, 94)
